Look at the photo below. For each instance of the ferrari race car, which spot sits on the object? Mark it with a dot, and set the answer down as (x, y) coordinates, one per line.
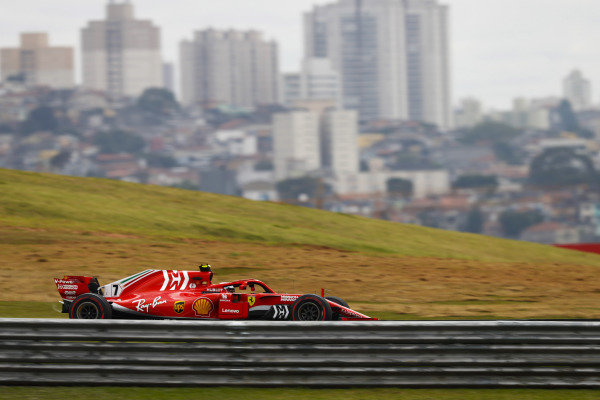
(162, 294)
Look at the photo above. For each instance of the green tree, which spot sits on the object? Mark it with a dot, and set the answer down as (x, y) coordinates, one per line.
(476, 182)
(474, 222)
(291, 189)
(158, 101)
(187, 185)
(515, 222)
(160, 161)
(562, 166)
(568, 119)
(118, 142)
(40, 119)
(263, 165)
(490, 132)
(61, 159)
(399, 187)
(508, 153)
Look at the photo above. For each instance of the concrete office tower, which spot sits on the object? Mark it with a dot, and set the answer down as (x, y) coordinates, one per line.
(38, 63)
(296, 143)
(168, 76)
(291, 88)
(121, 54)
(428, 62)
(469, 113)
(392, 56)
(340, 141)
(365, 42)
(317, 81)
(578, 90)
(238, 68)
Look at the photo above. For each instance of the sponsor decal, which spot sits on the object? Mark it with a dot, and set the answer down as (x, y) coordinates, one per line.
(349, 313)
(251, 300)
(281, 312)
(214, 290)
(192, 286)
(224, 296)
(289, 298)
(231, 311)
(179, 306)
(174, 279)
(70, 292)
(67, 287)
(64, 282)
(202, 307)
(141, 305)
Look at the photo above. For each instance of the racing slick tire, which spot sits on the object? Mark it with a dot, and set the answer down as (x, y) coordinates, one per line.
(335, 315)
(310, 307)
(90, 306)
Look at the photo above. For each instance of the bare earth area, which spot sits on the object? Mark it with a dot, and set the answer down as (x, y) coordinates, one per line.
(393, 286)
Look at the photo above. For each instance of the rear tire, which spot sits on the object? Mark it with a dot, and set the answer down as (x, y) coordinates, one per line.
(311, 307)
(335, 314)
(90, 306)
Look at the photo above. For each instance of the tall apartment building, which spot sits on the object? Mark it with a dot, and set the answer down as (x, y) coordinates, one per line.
(121, 54)
(316, 81)
(339, 141)
(469, 113)
(392, 56)
(315, 136)
(578, 90)
(168, 76)
(38, 62)
(231, 67)
(296, 143)
(428, 62)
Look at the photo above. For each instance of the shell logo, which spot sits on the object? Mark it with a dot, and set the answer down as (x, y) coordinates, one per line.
(202, 307)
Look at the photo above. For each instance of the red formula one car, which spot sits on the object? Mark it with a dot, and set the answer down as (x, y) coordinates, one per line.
(192, 295)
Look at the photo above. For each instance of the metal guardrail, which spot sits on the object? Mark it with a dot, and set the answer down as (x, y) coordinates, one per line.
(330, 354)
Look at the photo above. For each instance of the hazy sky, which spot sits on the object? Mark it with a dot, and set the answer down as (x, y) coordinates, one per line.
(500, 48)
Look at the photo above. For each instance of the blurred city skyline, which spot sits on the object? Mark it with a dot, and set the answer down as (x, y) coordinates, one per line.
(500, 49)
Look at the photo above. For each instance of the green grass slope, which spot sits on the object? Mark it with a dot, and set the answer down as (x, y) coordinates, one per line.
(70, 204)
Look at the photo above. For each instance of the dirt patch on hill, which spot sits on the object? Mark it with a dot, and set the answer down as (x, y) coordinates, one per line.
(424, 287)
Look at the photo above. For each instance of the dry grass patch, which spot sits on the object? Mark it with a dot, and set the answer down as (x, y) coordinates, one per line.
(420, 287)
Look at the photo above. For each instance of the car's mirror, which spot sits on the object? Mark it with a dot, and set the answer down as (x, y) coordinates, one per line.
(242, 287)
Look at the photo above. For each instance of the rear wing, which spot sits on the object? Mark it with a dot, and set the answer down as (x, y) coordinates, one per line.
(70, 287)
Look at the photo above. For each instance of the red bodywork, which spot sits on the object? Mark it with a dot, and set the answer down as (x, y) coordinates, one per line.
(191, 294)
(585, 247)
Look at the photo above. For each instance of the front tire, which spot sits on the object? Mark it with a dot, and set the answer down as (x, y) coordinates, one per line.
(90, 306)
(311, 307)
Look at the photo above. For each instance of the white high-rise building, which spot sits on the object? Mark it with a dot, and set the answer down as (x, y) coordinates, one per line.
(38, 63)
(428, 62)
(237, 68)
(121, 54)
(469, 113)
(392, 56)
(340, 141)
(296, 143)
(291, 88)
(578, 90)
(316, 81)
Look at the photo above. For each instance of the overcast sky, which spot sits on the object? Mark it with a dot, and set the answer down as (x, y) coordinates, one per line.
(501, 49)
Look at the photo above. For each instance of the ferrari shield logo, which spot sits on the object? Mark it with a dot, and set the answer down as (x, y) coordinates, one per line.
(251, 300)
(179, 306)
